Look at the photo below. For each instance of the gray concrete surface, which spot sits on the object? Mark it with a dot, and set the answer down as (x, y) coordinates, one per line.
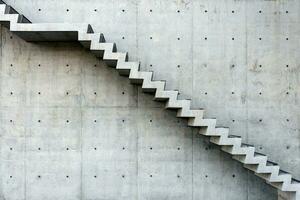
(149, 155)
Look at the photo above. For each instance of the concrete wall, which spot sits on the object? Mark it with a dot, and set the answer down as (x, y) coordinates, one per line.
(71, 128)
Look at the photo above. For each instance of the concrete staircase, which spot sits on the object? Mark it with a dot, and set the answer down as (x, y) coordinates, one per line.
(289, 188)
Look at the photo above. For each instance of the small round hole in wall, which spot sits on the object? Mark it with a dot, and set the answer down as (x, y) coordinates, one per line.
(39, 65)
(150, 120)
(232, 11)
(95, 120)
(233, 120)
(178, 176)
(11, 148)
(95, 93)
(95, 65)
(287, 147)
(205, 11)
(123, 37)
(232, 38)
(287, 66)
(123, 120)
(260, 38)
(123, 92)
(11, 93)
(95, 148)
(178, 148)
(232, 92)
(150, 38)
(10, 176)
(286, 38)
(260, 11)
(123, 176)
(260, 120)
(178, 11)
(259, 93)
(286, 11)
(150, 10)
(95, 176)
(233, 175)
(206, 176)
(260, 66)
(40, 9)
(67, 93)
(123, 148)
(39, 148)
(151, 175)
(287, 92)
(11, 121)
(67, 121)
(11, 65)
(95, 10)
(67, 65)
(205, 38)
(39, 121)
(11, 37)
(150, 148)
(39, 176)
(205, 93)
(39, 93)
(67, 149)
(178, 66)
(260, 148)
(151, 65)
(287, 120)
(123, 10)
(67, 10)
(67, 176)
